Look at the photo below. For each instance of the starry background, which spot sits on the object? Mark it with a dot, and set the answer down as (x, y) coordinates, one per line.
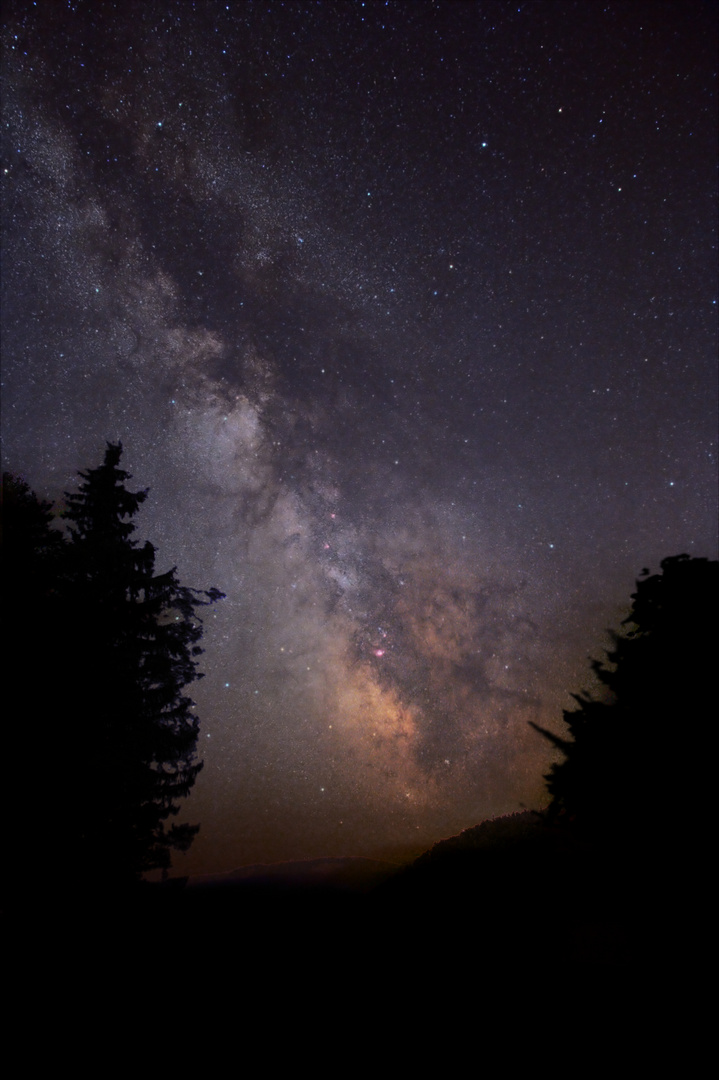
(406, 314)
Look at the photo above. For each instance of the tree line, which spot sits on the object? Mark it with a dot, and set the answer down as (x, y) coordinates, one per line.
(633, 777)
(103, 737)
(100, 650)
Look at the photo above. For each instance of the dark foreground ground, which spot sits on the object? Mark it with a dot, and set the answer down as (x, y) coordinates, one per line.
(509, 896)
(508, 943)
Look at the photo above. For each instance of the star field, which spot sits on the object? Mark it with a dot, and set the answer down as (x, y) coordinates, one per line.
(406, 315)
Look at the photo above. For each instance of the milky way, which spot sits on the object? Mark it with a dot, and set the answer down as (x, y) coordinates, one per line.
(406, 315)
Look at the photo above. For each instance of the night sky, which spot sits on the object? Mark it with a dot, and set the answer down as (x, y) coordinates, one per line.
(406, 314)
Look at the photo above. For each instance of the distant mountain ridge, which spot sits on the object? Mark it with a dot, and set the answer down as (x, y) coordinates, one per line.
(358, 874)
(345, 874)
(494, 834)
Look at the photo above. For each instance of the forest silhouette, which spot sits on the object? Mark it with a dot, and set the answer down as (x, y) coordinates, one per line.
(620, 759)
(100, 651)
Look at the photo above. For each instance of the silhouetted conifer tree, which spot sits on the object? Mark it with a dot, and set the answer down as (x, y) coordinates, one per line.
(30, 545)
(139, 635)
(625, 778)
(32, 565)
(108, 648)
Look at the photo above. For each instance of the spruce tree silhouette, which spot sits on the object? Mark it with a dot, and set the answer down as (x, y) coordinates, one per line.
(621, 766)
(33, 555)
(120, 646)
(138, 634)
